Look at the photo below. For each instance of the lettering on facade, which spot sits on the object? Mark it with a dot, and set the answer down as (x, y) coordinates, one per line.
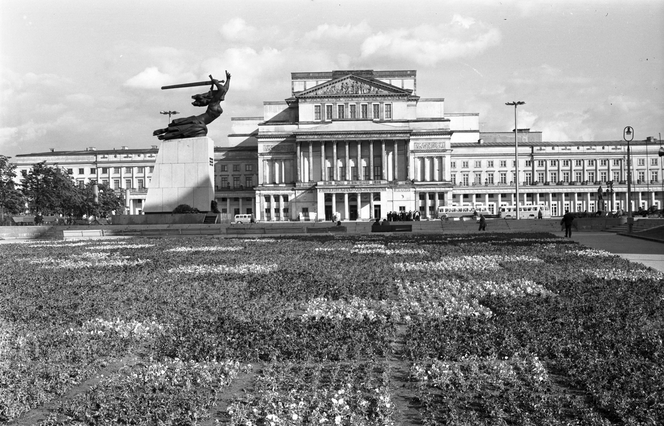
(424, 146)
(278, 148)
(402, 190)
(343, 190)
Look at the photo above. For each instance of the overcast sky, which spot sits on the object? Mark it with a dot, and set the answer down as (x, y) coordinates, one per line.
(81, 73)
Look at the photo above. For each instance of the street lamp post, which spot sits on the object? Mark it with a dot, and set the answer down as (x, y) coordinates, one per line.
(628, 136)
(516, 154)
(169, 113)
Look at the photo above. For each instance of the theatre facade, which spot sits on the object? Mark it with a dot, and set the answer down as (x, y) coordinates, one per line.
(356, 144)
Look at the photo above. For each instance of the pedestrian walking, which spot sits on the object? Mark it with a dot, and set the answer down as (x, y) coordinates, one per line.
(482, 223)
(567, 220)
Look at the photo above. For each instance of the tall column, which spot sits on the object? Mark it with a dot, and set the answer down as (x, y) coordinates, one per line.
(298, 165)
(283, 171)
(371, 206)
(240, 198)
(426, 205)
(323, 171)
(320, 205)
(396, 160)
(346, 206)
(406, 149)
(383, 165)
(371, 160)
(358, 165)
(576, 199)
(311, 161)
(281, 207)
(427, 169)
(335, 169)
(347, 168)
(271, 208)
(435, 202)
(334, 203)
(498, 201)
(263, 172)
(228, 206)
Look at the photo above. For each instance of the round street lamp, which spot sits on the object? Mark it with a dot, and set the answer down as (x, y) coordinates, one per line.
(628, 136)
(516, 154)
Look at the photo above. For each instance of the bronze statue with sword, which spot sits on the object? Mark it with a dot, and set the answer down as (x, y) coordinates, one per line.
(196, 125)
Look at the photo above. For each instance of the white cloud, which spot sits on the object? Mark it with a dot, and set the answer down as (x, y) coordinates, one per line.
(237, 29)
(149, 78)
(427, 44)
(328, 32)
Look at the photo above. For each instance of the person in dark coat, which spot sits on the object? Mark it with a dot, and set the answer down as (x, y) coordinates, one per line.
(482, 223)
(567, 221)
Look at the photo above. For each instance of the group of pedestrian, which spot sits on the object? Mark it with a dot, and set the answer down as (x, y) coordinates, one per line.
(403, 216)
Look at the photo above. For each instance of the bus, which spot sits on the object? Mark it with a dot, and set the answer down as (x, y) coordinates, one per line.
(525, 212)
(458, 212)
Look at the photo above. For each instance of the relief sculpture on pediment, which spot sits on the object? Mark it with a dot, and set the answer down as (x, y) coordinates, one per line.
(349, 87)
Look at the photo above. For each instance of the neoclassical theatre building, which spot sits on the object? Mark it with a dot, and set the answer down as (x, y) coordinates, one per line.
(362, 143)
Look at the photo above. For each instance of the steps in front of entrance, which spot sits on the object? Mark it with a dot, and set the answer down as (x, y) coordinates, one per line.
(640, 224)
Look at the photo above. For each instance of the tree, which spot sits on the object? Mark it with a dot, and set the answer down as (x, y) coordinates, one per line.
(108, 201)
(50, 190)
(11, 199)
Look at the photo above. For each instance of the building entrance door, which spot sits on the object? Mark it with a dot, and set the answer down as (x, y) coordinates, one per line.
(377, 214)
(328, 213)
(352, 212)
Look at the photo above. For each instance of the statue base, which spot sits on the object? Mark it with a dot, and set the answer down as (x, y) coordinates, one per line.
(183, 174)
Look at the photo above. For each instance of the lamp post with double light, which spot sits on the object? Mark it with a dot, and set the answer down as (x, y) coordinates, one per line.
(516, 154)
(628, 136)
(169, 113)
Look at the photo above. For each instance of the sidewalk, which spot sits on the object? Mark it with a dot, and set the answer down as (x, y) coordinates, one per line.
(649, 253)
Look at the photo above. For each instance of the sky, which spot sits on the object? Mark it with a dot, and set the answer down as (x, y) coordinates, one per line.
(79, 73)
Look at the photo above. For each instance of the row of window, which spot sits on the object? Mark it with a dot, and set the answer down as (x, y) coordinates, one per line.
(248, 182)
(554, 163)
(116, 170)
(352, 111)
(553, 177)
(236, 167)
(128, 183)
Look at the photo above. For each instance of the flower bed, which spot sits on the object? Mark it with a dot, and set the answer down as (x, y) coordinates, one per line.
(352, 330)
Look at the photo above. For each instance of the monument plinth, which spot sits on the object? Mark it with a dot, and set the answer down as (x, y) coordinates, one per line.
(183, 174)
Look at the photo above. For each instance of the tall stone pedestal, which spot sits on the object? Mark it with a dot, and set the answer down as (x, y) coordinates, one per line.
(183, 174)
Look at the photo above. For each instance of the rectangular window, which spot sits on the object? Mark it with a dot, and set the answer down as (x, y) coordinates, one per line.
(653, 175)
(116, 170)
(503, 163)
(478, 164)
(353, 111)
(376, 111)
(378, 172)
(554, 163)
(591, 163)
(453, 164)
(464, 179)
(70, 171)
(603, 176)
(489, 178)
(317, 112)
(653, 161)
(641, 161)
(93, 170)
(540, 177)
(104, 182)
(489, 163)
(248, 182)
(151, 169)
(127, 183)
(642, 176)
(388, 111)
(566, 177)
(591, 176)
(140, 170)
(453, 179)
(616, 176)
(364, 111)
(529, 163)
(528, 177)
(127, 169)
(341, 112)
(81, 183)
(249, 168)
(81, 171)
(603, 162)
(236, 181)
(342, 173)
(224, 167)
(236, 167)
(578, 176)
(104, 170)
(541, 163)
(224, 181)
(503, 177)
(478, 178)
(554, 176)
(328, 112)
(464, 164)
(578, 163)
(141, 184)
(616, 162)
(565, 163)
(116, 183)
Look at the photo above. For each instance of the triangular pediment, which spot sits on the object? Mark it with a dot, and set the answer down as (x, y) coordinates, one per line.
(353, 86)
